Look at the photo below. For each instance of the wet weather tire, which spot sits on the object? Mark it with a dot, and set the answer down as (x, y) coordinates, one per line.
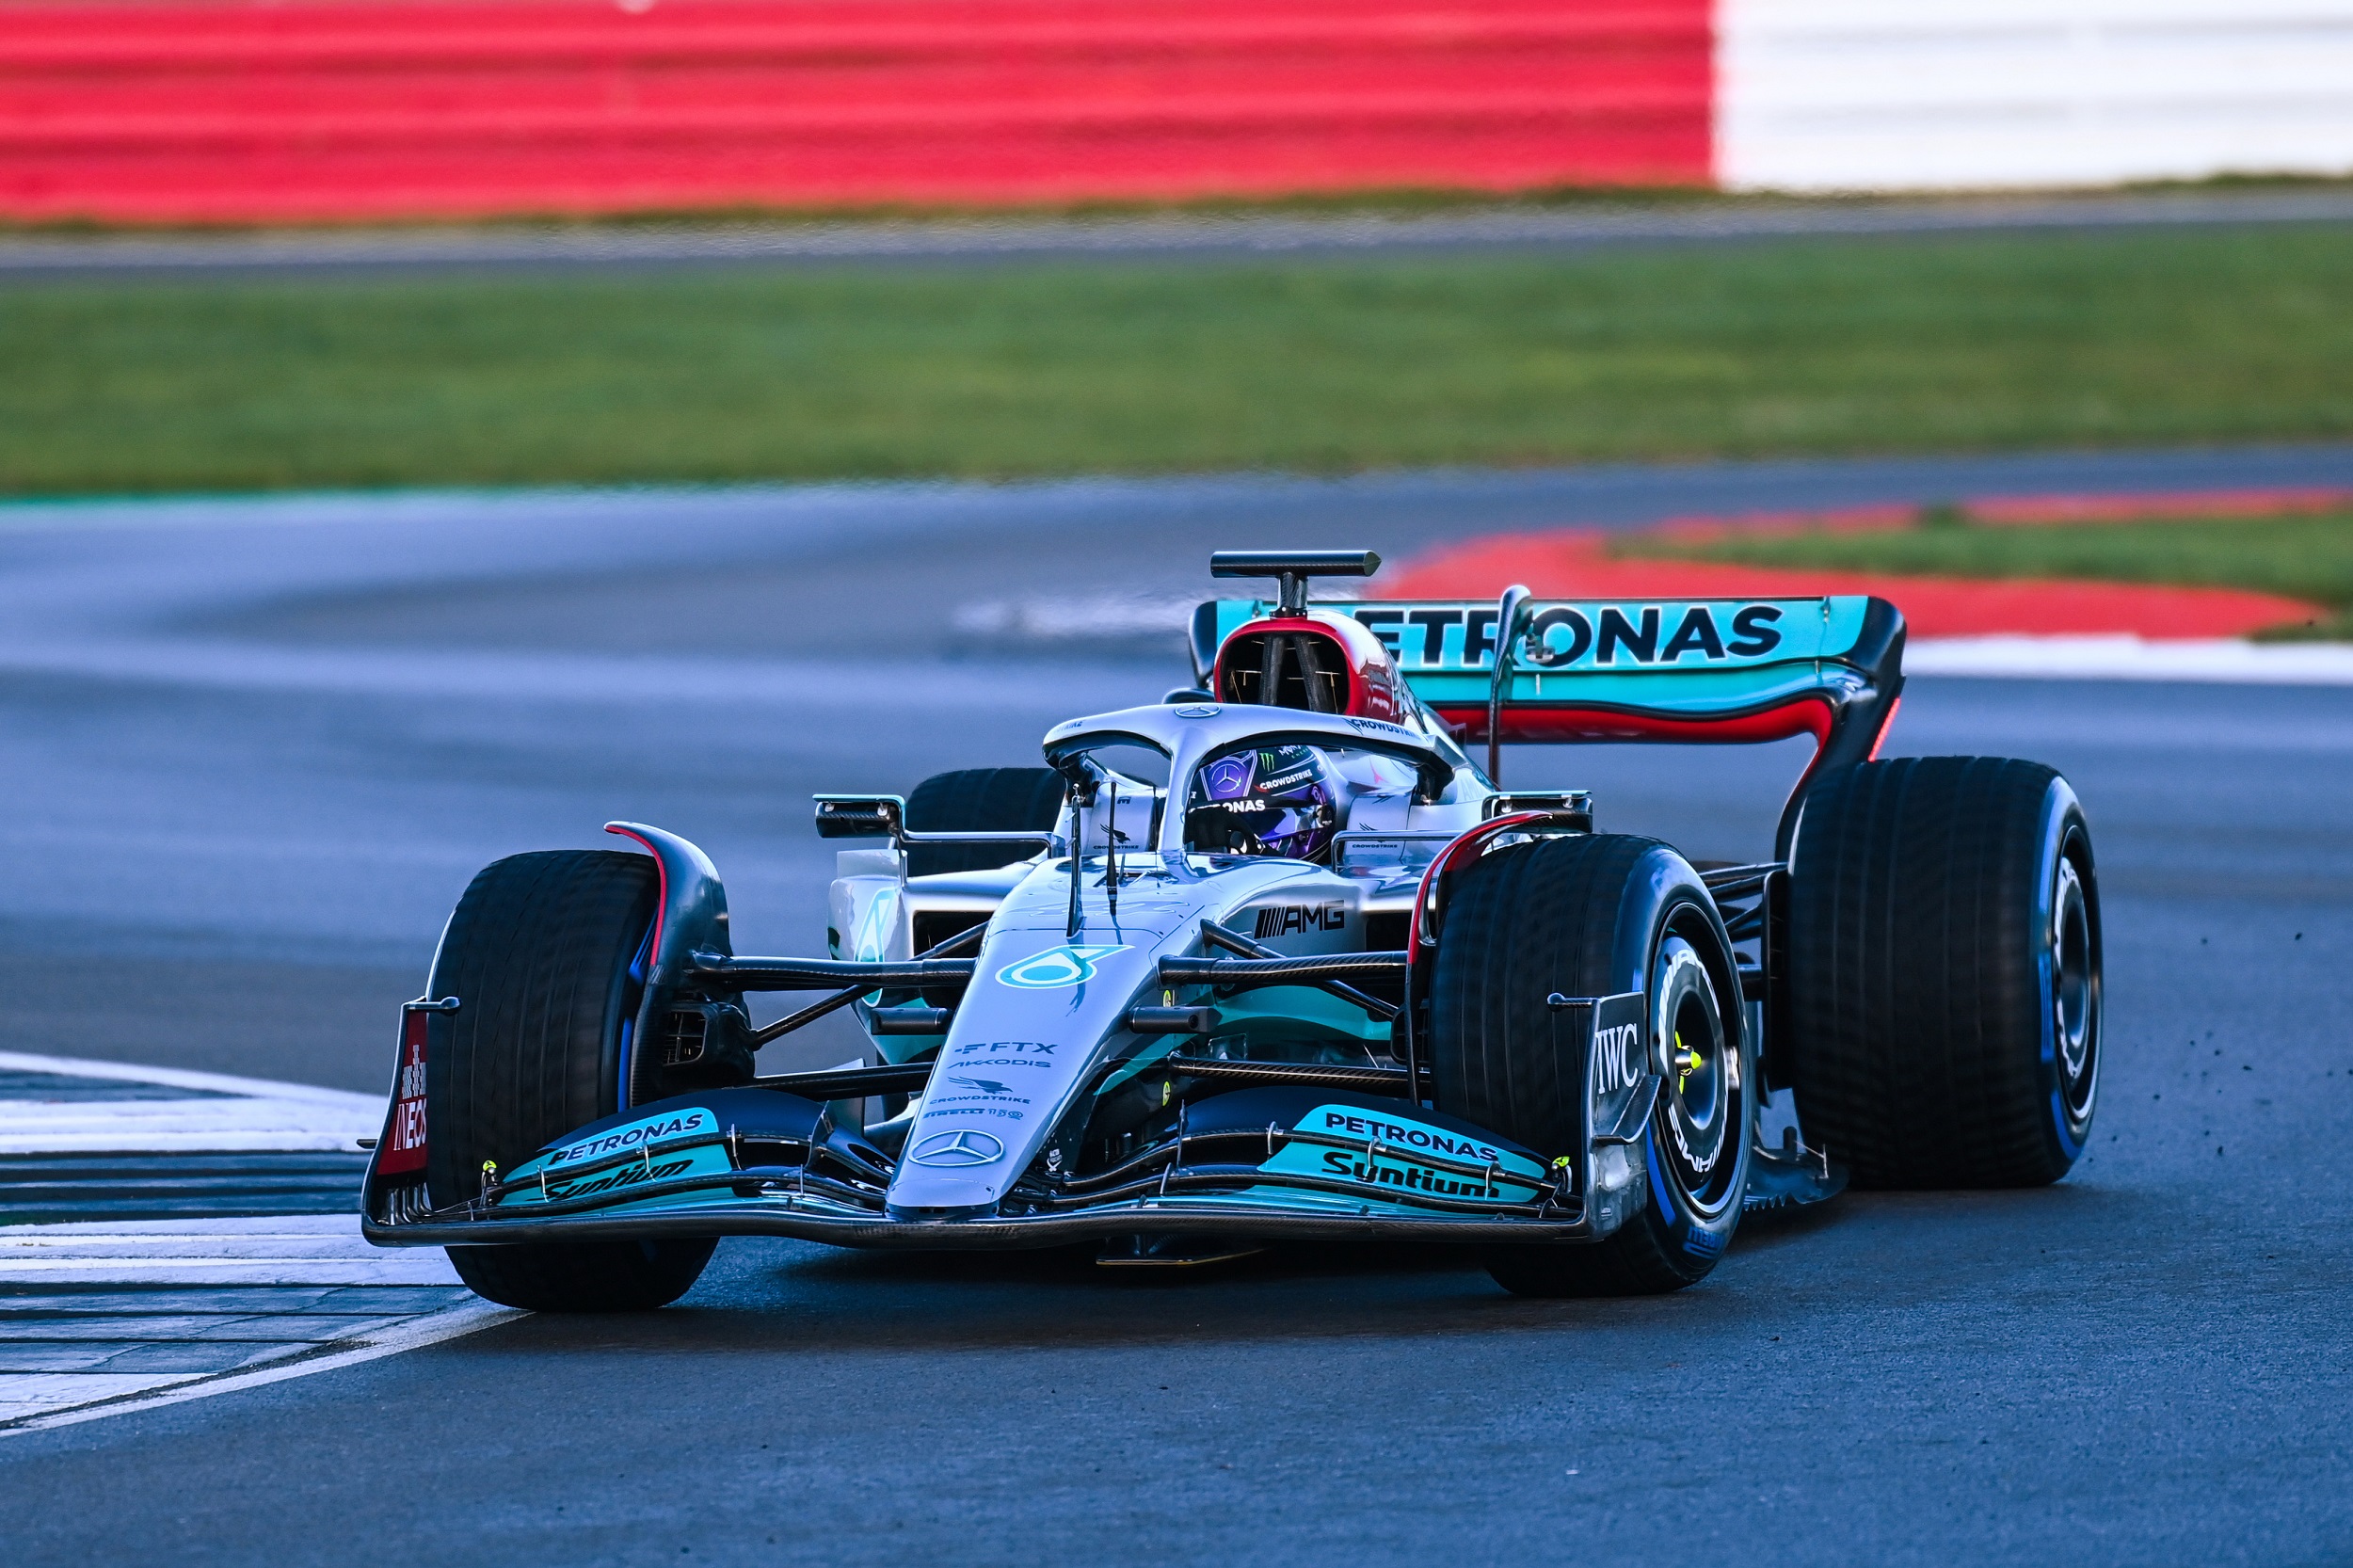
(1944, 973)
(1589, 917)
(980, 800)
(539, 954)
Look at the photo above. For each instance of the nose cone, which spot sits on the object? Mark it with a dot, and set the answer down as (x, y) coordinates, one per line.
(1023, 1046)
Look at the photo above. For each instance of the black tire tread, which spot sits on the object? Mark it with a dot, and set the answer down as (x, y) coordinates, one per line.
(536, 953)
(584, 1276)
(1521, 923)
(1914, 994)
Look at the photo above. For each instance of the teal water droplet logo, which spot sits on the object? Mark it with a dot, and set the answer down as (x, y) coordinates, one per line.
(1056, 968)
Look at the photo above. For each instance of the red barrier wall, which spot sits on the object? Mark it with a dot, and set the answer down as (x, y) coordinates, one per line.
(211, 110)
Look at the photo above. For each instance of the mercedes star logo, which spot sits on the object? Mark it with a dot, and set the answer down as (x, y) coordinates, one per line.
(963, 1146)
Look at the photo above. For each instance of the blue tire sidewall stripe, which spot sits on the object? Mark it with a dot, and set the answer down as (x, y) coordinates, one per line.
(2059, 802)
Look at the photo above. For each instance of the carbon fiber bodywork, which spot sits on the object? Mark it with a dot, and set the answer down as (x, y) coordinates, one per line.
(1134, 1035)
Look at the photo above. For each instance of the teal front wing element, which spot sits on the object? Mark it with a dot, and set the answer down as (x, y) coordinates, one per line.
(656, 1165)
(1402, 1157)
(662, 1147)
(1385, 1179)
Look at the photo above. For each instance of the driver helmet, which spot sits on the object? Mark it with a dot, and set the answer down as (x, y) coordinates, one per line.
(1271, 800)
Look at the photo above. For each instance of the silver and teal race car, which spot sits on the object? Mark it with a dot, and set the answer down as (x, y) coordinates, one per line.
(1275, 958)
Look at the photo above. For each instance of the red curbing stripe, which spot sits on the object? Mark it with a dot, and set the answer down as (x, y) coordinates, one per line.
(1576, 564)
(218, 110)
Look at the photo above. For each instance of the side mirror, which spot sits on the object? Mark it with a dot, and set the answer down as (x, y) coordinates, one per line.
(885, 817)
(860, 816)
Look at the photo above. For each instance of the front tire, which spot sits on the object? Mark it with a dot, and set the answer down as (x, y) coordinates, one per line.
(1944, 973)
(539, 953)
(1589, 917)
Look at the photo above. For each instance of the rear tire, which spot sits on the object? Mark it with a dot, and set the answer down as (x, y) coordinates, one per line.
(1944, 973)
(980, 800)
(1598, 916)
(539, 953)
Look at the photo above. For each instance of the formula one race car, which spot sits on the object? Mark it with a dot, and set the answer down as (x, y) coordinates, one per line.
(1275, 958)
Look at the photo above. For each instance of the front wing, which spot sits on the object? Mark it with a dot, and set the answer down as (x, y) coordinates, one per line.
(1300, 1163)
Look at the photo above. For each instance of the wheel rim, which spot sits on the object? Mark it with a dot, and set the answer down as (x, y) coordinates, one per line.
(1702, 1101)
(2074, 993)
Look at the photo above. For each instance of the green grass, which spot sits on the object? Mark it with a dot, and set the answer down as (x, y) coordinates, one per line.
(1789, 347)
(2302, 557)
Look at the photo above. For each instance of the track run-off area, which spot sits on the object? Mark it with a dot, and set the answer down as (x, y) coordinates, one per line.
(255, 748)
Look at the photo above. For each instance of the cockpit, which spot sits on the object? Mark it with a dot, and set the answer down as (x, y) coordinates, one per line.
(1276, 795)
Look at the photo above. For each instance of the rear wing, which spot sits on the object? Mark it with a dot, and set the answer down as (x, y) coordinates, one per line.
(1701, 670)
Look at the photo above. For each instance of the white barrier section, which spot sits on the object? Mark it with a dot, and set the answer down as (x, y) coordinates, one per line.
(1829, 95)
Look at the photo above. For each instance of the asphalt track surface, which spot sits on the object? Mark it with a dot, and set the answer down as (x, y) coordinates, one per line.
(255, 748)
(1159, 236)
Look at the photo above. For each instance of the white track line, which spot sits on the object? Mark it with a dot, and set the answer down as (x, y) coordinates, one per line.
(257, 1114)
(410, 1335)
(181, 1078)
(31, 1393)
(47, 1269)
(296, 1250)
